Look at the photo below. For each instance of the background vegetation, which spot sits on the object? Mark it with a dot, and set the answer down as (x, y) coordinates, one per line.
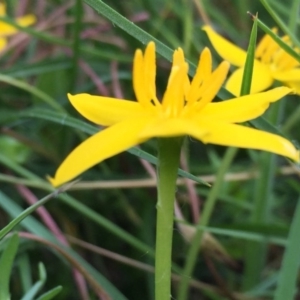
(104, 226)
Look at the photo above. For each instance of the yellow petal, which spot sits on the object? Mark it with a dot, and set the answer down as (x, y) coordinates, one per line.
(144, 71)
(266, 47)
(294, 85)
(6, 29)
(106, 111)
(211, 85)
(245, 137)
(26, 20)
(173, 100)
(226, 49)
(99, 147)
(139, 84)
(2, 9)
(203, 71)
(243, 108)
(3, 43)
(179, 63)
(261, 80)
(150, 70)
(172, 127)
(290, 75)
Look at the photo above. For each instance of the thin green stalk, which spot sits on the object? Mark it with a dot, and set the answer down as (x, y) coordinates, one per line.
(32, 90)
(277, 39)
(204, 220)
(292, 120)
(293, 16)
(290, 265)
(256, 252)
(280, 22)
(168, 161)
(6, 264)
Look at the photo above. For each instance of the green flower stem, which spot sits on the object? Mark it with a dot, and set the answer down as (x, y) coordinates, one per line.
(204, 220)
(168, 162)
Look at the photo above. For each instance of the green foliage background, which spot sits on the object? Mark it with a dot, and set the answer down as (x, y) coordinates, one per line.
(73, 49)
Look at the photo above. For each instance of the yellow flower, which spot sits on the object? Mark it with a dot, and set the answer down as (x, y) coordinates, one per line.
(271, 63)
(186, 109)
(6, 29)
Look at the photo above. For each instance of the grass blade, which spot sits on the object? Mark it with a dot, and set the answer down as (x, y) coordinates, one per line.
(288, 275)
(50, 294)
(38, 285)
(6, 262)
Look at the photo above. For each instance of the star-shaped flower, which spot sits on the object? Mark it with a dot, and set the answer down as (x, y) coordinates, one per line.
(271, 63)
(7, 29)
(186, 109)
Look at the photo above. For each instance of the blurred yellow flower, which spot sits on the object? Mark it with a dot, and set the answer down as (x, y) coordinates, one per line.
(186, 109)
(271, 63)
(6, 29)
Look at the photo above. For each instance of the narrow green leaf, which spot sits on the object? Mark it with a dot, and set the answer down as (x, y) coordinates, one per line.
(248, 70)
(32, 90)
(246, 235)
(37, 228)
(25, 269)
(278, 40)
(292, 120)
(293, 16)
(38, 285)
(288, 275)
(280, 22)
(6, 263)
(129, 27)
(4, 231)
(51, 294)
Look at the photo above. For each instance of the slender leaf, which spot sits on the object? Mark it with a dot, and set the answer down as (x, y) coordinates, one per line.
(6, 263)
(32, 90)
(37, 228)
(280, 23)
(4, 231)
(248, 69)
(277, 39)
(50, 294)
(38, 285)
(288, 275)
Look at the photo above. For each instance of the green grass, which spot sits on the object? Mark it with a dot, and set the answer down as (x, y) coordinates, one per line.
(248, 200)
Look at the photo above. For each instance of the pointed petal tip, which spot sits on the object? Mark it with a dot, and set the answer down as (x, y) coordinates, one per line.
(206, 28)
(291, 151)
(54, 182)
(225, 65)
(294, 157)
(150, 47)
(70, 97)
(206, 49)
(226, 49)
(286, 90)
(297, 156)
